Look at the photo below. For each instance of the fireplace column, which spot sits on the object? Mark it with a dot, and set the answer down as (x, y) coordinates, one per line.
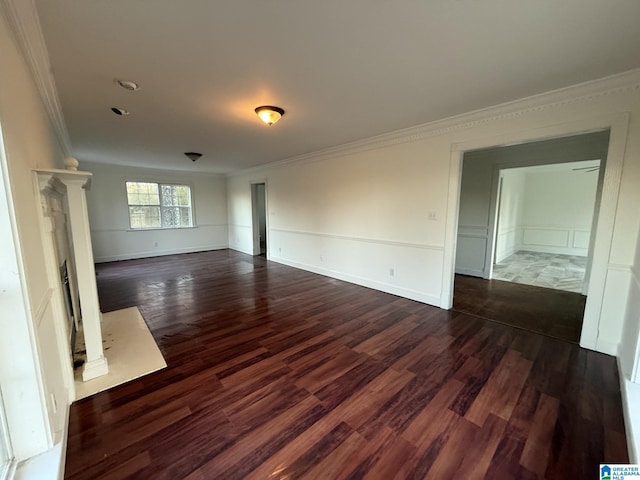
(74, 184)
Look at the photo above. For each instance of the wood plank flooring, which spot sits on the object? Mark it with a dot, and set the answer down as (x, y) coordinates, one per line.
(555, 313)
(277, 373)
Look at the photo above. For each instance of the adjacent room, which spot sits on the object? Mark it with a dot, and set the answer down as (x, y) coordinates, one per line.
(249, 240)
(544, 224)
(526, 231)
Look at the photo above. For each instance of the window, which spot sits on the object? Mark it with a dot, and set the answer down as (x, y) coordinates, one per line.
(158, 205)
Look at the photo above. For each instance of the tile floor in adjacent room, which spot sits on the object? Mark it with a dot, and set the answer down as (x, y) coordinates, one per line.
(549, 270)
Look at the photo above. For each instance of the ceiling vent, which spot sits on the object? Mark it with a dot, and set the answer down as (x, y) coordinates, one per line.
(128, 85)
(119, 111)
(193, 155)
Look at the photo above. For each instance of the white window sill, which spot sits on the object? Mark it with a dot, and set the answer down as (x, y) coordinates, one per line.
(159, 228)
(46, 466)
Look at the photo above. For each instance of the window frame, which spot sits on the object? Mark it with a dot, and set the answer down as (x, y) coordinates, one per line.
(7, 465)
(160, 183)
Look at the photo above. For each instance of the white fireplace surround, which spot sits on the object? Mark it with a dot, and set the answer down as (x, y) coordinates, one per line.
(66, 189)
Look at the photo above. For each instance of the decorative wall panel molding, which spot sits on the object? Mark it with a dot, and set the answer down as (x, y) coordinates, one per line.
(360, 239)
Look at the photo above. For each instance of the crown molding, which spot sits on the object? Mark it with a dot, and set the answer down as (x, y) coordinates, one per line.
(582, 92)
(23, 20)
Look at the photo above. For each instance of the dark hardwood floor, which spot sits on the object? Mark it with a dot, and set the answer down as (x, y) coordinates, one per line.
(277, 373)
(555, 313)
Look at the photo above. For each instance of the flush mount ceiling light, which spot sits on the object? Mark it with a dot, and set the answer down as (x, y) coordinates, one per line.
(269, 114)
(193, 155)
(128, 85)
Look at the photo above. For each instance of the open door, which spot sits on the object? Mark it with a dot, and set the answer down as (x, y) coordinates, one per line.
(259, 207)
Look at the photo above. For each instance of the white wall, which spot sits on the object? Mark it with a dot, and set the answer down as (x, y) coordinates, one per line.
(31, 375)
(630, 348)
(356, 213)
(629, 360)
(558, 211)
(354, 217)
(546, 210)
(109, 215)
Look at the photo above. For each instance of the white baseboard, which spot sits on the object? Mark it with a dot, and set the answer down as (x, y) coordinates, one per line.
(365, 282)
(506, 254)
(237, 248)
(577, 252)
(607, 347)
(470, 271)
(158, 253)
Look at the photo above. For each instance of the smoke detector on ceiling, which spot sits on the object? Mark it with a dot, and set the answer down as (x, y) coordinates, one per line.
(128, 85)
(193, 155)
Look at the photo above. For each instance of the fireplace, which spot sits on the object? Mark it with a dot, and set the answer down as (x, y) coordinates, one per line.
(66, 292)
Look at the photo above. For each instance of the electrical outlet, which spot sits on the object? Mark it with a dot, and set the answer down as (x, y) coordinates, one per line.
(155, 244)
(433, 216)
(392, 272)
(279, 250)
(321, 258)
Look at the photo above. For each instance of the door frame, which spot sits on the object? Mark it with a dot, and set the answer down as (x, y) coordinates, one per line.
(8, 468)
(493, 244)
(618, 125)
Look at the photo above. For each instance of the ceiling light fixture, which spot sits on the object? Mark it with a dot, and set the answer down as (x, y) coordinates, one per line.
(193, 155)
(269, 114)
(128, 85)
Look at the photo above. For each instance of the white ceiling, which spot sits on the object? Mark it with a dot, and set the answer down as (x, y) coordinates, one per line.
(342, 70)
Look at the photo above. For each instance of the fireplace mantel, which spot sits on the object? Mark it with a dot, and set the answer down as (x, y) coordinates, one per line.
(69, 187)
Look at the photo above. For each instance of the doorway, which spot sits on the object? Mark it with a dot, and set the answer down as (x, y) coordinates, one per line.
(544, 218)
(259, 209)
(524, 208)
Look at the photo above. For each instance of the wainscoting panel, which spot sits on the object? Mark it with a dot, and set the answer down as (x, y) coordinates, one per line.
(405, 269)
(241, 238)
(509, 242)
(471, 249)
(545, 237)
(50, 362)
(581, 239)
(120, 244)
(559, 240)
